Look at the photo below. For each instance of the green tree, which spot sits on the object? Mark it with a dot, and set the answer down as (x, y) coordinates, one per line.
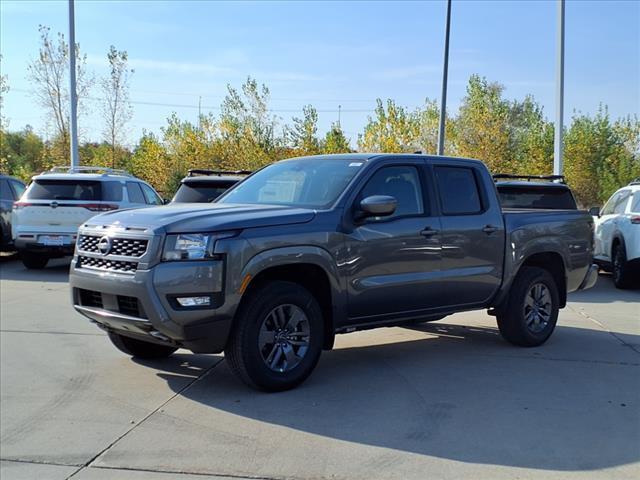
(392, 129)
(335, 141)
(304, 132)
(151, 162)
(482, 126)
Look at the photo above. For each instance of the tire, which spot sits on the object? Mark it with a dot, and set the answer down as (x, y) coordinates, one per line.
(34, 261)
(621, 271)
(139, 348)
(525, 321)
(277, 338)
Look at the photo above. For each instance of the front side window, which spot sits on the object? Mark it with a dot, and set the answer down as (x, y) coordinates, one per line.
(304, 182)
(135, 193)
(458, 191)
(401, 183)
(621, 203)
(18, 188)
(5, 191)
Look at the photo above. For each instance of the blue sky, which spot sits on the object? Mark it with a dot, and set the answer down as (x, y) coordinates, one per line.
(330, 54)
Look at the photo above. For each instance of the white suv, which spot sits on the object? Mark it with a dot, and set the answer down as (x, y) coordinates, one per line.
(617, 237)
(46, 218)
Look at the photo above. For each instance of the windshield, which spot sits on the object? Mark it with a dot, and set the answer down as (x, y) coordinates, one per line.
(305, 182)
(200, 192)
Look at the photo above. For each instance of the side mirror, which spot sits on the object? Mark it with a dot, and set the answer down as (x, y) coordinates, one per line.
(594, 211)
(378, 206)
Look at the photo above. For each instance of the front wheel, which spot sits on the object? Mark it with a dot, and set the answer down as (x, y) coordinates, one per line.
(139, 348)
(34, 261)
(531, 313)
(277, 338)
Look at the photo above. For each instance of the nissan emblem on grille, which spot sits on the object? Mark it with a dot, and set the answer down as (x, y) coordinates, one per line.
(104, 245)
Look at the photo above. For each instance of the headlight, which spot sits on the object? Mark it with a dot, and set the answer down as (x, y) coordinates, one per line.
(191, 246)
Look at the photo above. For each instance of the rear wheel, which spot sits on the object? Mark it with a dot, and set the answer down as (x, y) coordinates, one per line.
(139, 348)
(277, 338)
(34, 261)
(621, 270)
(531, 313)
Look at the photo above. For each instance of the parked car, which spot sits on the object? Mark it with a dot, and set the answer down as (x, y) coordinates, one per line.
(10, 190)
(310, 247)
(534, 191)
(204, 186)
(617, 235)
(45, 220)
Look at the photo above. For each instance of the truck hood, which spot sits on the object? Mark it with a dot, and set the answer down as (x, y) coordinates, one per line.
(206, 217)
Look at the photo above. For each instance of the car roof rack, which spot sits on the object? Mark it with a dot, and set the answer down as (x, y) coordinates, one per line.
(199, 171)
(551, 178)
(635, 181)
(88, 169)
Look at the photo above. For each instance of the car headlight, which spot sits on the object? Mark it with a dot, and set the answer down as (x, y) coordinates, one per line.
(191, 246)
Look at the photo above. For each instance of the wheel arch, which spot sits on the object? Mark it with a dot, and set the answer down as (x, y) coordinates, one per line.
(311, 267)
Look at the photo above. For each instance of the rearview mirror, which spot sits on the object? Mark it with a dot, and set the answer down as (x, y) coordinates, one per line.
(594, 211)
(378, 206)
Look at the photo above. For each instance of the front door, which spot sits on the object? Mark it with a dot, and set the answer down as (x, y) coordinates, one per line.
(392, 262)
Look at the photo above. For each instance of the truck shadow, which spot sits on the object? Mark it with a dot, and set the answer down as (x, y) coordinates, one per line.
(457, 393)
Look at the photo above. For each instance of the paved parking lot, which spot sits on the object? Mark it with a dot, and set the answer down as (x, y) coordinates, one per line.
(443, 400)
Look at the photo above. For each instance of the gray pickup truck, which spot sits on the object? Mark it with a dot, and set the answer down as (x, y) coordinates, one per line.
(310, 247)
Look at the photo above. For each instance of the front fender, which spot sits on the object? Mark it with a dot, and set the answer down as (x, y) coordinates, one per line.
(301, 255)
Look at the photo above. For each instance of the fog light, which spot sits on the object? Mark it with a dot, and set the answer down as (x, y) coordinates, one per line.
(194, 301)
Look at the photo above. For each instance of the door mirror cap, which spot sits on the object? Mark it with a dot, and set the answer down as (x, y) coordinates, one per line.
(378, 206)
(594, 211)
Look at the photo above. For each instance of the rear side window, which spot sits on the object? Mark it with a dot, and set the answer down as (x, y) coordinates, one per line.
(150, 195)
(198, 192)
(135, 193)
(635, 203)
(536, 197)
(112, 191)
(43, 189)
(458, 191)
(621, 203)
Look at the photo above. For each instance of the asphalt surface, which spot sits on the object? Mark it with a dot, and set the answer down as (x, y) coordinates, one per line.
(445, 400)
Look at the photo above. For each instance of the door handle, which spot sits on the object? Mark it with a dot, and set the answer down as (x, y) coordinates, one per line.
(489, 229)
(428, 232)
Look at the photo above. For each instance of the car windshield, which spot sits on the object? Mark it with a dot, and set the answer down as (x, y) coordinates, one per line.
(536, 197)
(200, 192)
(305, 182)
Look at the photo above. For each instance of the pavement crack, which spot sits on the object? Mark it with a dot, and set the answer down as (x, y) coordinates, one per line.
(185, 472)
(39, 462)
(610, 332)
(144, 419)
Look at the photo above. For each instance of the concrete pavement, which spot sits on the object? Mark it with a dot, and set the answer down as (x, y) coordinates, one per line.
(448, 399)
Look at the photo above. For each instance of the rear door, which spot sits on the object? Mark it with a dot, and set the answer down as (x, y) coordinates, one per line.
(473, 237)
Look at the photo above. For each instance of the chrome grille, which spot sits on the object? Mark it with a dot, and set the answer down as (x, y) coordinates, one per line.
(109, 265)
(126, 247)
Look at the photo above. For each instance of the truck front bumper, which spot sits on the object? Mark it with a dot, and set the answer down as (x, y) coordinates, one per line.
(144, 304)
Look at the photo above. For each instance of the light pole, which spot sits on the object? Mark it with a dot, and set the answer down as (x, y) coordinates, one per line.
(445, 70)
(557, 142)
(73, 121)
